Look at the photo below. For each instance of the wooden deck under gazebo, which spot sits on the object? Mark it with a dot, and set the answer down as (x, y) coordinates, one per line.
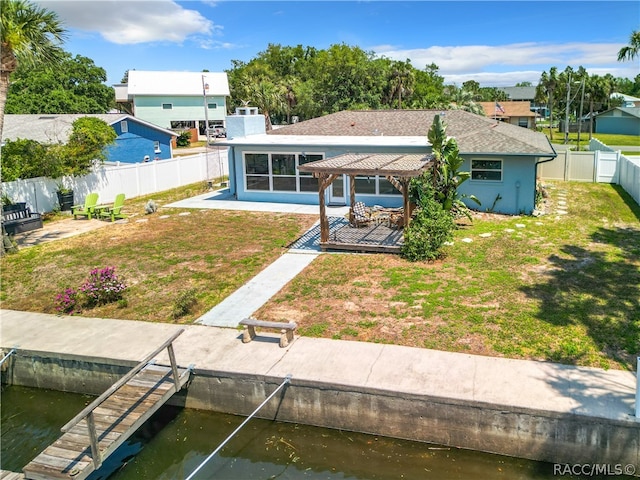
(399, 169)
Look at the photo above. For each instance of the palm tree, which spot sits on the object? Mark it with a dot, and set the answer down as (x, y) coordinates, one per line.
(402, 80)
(461, 99)
(269, 98)
(630, 51)
(29, 35)
(546, 90)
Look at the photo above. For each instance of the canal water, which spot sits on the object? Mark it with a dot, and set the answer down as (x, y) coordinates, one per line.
(175, 441)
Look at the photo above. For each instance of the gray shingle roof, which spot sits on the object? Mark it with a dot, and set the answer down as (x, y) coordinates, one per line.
(56, 127)
(474, 133)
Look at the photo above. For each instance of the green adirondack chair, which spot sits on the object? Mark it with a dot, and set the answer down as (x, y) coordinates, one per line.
(114, 211)
(86, 210)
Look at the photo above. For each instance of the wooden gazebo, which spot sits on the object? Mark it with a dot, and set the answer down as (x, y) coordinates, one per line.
(399, 169)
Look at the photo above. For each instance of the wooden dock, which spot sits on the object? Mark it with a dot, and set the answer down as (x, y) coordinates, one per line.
(97, 431)
(7, 475)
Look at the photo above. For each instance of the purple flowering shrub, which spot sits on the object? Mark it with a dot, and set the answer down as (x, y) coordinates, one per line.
(67, 302)
(103, 286)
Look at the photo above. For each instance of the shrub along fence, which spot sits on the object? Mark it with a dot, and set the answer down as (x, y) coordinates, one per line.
(131, 179)
(601, 164)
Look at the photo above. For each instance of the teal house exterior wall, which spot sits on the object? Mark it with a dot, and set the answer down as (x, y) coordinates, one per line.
(237, 178)
(514, 194)
(183, 108)
(620, 121)
(502, 159)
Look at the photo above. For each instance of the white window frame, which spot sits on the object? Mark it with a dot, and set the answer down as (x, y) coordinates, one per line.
(156, 146)
(501, 170)
(376, 179)
(271, 175)
(124, 126)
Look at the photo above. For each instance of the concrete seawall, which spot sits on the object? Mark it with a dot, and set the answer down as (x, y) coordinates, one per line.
(534, 410)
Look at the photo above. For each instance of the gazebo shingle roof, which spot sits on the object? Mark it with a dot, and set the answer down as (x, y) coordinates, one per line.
(474, 133)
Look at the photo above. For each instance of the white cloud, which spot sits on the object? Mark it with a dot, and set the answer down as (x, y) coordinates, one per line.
(509, 64)
(133, 22)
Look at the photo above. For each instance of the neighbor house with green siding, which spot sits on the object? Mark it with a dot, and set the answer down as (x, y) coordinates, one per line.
(176, 100)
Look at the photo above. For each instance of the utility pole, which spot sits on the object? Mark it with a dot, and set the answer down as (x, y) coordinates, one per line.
(566, 113)
(580, 116)
(205, 88)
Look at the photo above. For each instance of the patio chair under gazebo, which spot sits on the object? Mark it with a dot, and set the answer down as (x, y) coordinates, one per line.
(398, 169)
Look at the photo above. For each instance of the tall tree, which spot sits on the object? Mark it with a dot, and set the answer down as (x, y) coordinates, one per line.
(74, 85)
(546, 91)
(462, 99)
(269, 97)
(429, 89)
(29, 35)
(630, 51)
(401, 81)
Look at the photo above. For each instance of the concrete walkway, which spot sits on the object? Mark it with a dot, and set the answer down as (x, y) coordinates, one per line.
(256, 292)
(517, 384)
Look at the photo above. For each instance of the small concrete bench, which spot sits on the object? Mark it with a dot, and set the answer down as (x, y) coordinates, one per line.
(287, 329)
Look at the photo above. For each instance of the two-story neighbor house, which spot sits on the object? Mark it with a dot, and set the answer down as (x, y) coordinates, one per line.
(137, 140)
(177, 100)
(264, 167)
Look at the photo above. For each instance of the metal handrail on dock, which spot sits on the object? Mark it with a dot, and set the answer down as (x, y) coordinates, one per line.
(6, 357)
(88, 411)
(286, 380)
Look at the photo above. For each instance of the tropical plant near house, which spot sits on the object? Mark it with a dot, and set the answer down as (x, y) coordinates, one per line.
(446, 176)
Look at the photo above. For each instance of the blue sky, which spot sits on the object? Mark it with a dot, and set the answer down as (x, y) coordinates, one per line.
(497, 43)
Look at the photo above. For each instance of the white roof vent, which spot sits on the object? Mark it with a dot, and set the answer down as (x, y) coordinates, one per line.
(247, 111)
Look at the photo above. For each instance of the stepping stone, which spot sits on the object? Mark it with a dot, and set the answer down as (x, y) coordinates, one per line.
(484, 235)
(448, 244)
(539, 223)
(509, 230)
(142, 220)
(164, 216)
(467, 240)
(562, 212)
(520, 225)
(183, 214)
(561, 202)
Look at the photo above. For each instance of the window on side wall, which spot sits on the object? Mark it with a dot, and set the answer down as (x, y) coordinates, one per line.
(124, 126)
(156, 147)
(167, 106)
(486, 170)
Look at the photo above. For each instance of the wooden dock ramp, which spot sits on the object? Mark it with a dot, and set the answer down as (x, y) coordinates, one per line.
(104, 425)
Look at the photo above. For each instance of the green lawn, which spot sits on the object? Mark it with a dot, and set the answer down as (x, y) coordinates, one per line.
(560, 287)
(563, 288)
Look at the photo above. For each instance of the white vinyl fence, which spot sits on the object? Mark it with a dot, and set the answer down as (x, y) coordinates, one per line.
(131, 179)
(601, 164)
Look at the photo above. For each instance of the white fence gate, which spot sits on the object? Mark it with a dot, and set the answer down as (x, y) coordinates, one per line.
(133, 180)
(606, 164)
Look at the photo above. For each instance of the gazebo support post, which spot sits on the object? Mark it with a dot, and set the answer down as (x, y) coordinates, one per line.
(405, 200)
(324, 180)
(352, 196)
